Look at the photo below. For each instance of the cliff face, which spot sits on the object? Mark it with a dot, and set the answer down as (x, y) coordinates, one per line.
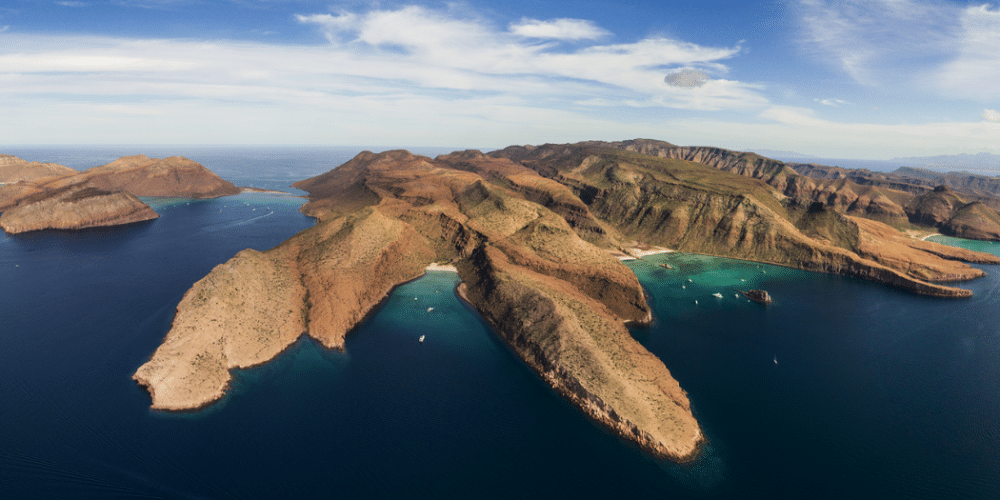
(76, 208)
(49, 196)
(531, 231)
(898, 198)
(558, 300)
(703, 208)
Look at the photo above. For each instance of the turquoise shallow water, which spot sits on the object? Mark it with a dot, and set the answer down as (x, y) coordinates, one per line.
(876, 393)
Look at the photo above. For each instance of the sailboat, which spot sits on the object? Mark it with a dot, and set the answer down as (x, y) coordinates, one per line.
(422, 339)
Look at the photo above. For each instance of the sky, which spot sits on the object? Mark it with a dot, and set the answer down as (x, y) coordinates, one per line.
(872, 79)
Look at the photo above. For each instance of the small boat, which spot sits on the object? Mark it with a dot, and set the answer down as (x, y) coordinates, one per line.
(429, 309)
(717, 294)
(422, 338)
(689, 280)
(696, 302)
(775, 357)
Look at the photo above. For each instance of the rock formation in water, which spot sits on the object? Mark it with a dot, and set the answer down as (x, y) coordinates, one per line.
(532, 232)
(49, 196)
(758, 296)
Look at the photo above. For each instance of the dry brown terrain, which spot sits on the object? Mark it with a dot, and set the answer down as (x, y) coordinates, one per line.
(532, 232)
(48, 196)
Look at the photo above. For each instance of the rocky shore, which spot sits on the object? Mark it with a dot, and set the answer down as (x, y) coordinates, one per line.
(534, 233)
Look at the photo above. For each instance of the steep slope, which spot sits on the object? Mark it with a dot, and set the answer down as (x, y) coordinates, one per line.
(559, 301)
(703, 209)
(531, 231)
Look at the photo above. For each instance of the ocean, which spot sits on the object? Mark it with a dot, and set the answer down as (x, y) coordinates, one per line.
(840, 389)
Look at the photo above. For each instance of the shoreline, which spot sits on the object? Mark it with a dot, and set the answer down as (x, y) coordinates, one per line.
(441, 267)
(639, 251)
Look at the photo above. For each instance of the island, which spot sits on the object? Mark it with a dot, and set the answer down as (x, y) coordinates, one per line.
(36, 196)
(536, 235)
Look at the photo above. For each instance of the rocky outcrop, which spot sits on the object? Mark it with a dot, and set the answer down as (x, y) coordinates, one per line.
(758, 296)
(704, 209)
(50, 196)
(558, 300)
(246, 311)
(531, 231)
(76, 208)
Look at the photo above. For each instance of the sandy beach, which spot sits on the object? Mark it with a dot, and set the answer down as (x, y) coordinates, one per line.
(441, 267)
(639, 251)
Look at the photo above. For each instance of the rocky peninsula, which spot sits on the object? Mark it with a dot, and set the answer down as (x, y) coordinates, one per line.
(36, 196)
(534, 233)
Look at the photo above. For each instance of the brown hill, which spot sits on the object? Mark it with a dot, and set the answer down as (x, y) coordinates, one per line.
(75, 208)
(532, 231)
(37, 199)
(558, 300)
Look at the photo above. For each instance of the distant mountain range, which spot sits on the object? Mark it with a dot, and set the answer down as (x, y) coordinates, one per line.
(980, 162)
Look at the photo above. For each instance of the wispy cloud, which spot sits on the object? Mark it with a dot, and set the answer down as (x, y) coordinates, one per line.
(924, 45)
(4, 28)
(831, 102)
(433, 49)
(559, 29)
(872, 40)
(384, 73)
(72, 4)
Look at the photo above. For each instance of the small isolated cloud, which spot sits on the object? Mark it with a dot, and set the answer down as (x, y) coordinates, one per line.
(72, 4)
(559, 29)
(4, 28)
(831, 102)
(991, 115)
(686, 78)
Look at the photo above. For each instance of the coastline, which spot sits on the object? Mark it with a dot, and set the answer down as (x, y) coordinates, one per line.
(639, 251)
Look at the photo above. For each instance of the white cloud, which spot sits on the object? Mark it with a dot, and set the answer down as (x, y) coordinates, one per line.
(831, 102)
(871, 140)
(409, 76)
(4, 28)
(991, 114)
(432, 49)
(559, 29)
(973, 73)
(925, 45)
(72, 4)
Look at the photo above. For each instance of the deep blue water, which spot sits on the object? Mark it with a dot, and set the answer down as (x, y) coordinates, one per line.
(876, 393)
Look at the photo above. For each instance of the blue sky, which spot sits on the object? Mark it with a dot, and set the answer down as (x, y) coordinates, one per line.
(848, 79)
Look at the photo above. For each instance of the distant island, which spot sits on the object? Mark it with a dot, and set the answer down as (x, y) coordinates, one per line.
(36, 196)
(534, 232)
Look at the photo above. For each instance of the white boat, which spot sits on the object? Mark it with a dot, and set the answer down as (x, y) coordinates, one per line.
(422, 338)
(775, 359)
(429, 309)
(717, 294)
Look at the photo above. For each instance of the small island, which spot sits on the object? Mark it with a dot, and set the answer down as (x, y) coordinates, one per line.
(536, 235)
(36, 196)
(758, 296)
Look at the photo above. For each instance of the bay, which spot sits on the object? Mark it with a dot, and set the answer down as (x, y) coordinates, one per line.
(874, 393)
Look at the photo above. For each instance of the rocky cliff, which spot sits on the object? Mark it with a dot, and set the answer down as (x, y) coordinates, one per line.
(76, 208)
(559, 301)
(893, 198)
(49, 196)
(531, 231)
